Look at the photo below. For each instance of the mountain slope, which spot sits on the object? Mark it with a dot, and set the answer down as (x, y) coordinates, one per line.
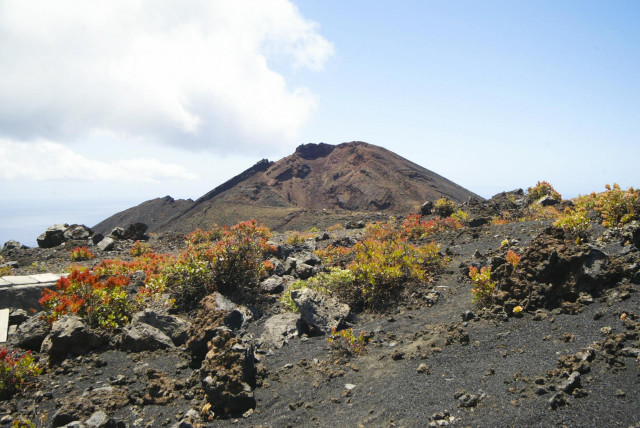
(318, 184)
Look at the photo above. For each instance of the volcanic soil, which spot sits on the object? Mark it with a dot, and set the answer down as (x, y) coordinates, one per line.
(435, 358)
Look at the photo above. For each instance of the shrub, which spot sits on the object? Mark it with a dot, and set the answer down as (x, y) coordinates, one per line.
(574, 220)
(542, 189)
(483, 285)
(444, 207)
(538, 212)
(334, 282)
(617, 207)
(140, 248)
(347, 342)
(414, 227)
(16, 372)
(4, 270)
(81, 253)
(335, 255)
(103, 304)
(337, 226)
(384, 263)
(513, 258)
(229, 264)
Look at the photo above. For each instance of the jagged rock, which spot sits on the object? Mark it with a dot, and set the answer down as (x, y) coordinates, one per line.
(11, 245)
(107, 244)
(237, 315)
(98, 419)
(31, 333)
(355, 225)
(205, 326)
(18, 316)
(53, 236)
(571, 383)
(547, 201)
(278, 267)
(117, 233)
(273, 285)
(320, 312)
(160, 389)
(135, 232)
(143, 337)
(70, 334)
(478, 221)
(309, 258)
(279, 329)
(77, 232)
(229, 374)
(304, 271)
(96, 238)
(175, 328)
(426, 208)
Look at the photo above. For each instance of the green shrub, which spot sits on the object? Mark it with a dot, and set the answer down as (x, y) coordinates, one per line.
(574, 220)
(617, 206)
(483, 285)
(227, 260)
(4, 270)
(16, 372)
(444, 207)
(542, 189)
(334, 282)
(345, 341)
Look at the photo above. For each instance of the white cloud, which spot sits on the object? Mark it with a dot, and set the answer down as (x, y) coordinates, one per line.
(191, 74)
(45, 160)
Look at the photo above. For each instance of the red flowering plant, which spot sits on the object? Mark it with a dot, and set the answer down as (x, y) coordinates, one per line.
(102, 303)
(16, 371)
(414, 227)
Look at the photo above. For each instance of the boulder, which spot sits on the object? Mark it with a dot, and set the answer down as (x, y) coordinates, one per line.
(547, 201)
(70, 335)
(175, 328)
(77, 232)
(319, 311)
(426, 208)
(136, 231)
(229, 374)
(107, 244)
(279, 329)
(304, 271)
(237, 316)
(53, 236)
(273, 285)
(31, 333)
(138, 337)
(117, 233)
(11, 245)
(97, 237)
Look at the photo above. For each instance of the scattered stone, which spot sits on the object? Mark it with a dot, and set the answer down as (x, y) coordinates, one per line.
(620, 393)
(468, 400)
(423, 368)
(468, 316)
(98, 419)
(572, 382)
(397, 355)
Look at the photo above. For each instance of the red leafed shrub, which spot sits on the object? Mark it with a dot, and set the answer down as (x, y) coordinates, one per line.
(414, 227)
(103, 303)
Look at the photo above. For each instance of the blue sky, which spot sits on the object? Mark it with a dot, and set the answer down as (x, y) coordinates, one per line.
(100, 112)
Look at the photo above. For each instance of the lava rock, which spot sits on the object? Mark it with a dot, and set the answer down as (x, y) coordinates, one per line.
(175, 328)
(143, 337)
(53, 236)
(278, 329)
(320, 312)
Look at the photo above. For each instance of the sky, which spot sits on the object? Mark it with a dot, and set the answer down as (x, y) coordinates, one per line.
(109, 103)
